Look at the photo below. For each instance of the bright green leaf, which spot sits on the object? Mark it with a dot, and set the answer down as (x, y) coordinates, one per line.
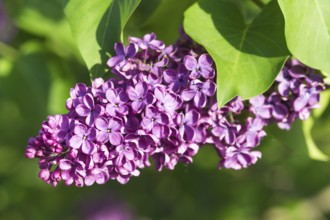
(307, 31)
(96, 26)
(248, 56)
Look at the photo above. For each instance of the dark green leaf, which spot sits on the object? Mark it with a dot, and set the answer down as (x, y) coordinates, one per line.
(307, 31)
(248, 56)
(167, 29)
(96, 26)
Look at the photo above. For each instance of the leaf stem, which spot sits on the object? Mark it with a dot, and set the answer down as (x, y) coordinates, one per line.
(259, 3)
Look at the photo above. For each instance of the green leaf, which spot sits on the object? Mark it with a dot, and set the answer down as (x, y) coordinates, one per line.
(248, 56)
(96, 25)
(167, 29)
(307, 31)
(313, 151)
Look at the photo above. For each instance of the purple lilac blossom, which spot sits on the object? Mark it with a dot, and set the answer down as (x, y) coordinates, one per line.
(294, 94)
(162, 106)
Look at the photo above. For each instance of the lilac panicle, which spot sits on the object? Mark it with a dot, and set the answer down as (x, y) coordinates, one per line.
(162, 106)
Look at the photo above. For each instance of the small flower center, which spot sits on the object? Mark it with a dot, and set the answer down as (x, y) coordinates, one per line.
(116, 104)
(109, 130)
(140, 99)
(84, 137)
(153, 119)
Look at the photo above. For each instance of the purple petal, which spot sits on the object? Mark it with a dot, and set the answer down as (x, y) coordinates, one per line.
(65, 164)
(159, 93)
(101, 124)
(207, 73)
(257, 101)
(131, 50)
(229, 136)
(200, 100)
(82, 110)
(120, 49)
(129, 154)
(252, 139)
(147, 124)
(150, 111)
(209, 88)
(123, 97)
(102, 136)
(75, 141)
(188, 94)
(110, 109)
(111, 95)
(190, 62)
(115, 138)
(88, 147)
(132, 94)
(189, 132)
(137, 106)
(170, 75)
(89, 101)
(205, 60)
(115, 124)
(191, 117)
(264, 112)
(114, 61)
(280, 111)
(80, 130)
(149, 37)
(141, 89)
(89, 180)
(300, 102)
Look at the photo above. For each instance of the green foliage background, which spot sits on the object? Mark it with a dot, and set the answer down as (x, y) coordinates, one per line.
(39, 65)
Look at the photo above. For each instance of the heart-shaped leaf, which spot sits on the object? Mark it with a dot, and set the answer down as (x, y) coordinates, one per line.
(96, 25)
(307, 31)
(248, 56)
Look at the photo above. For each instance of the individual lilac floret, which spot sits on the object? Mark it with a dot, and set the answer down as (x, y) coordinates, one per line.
(123, 55)
(154, 117)
(309, 97)
(149, 40)
(238, 157)
(187, 124)
(139, 96)
(83, 138)
(176, 79)
(198, 91)
(254, 132)
(109, 130)
(259, 107)
(167, 101)
(117, 102)
(124, 59)
(201, 67)
(89, 110)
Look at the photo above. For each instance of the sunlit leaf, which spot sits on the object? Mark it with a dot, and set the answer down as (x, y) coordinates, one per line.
(248, 56)
(96, 26)
(307, 31)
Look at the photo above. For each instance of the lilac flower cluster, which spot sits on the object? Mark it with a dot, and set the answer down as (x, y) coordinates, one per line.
(161, 105)
(294, 94)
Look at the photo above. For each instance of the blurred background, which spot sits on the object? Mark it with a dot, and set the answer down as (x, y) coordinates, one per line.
(39, 63)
